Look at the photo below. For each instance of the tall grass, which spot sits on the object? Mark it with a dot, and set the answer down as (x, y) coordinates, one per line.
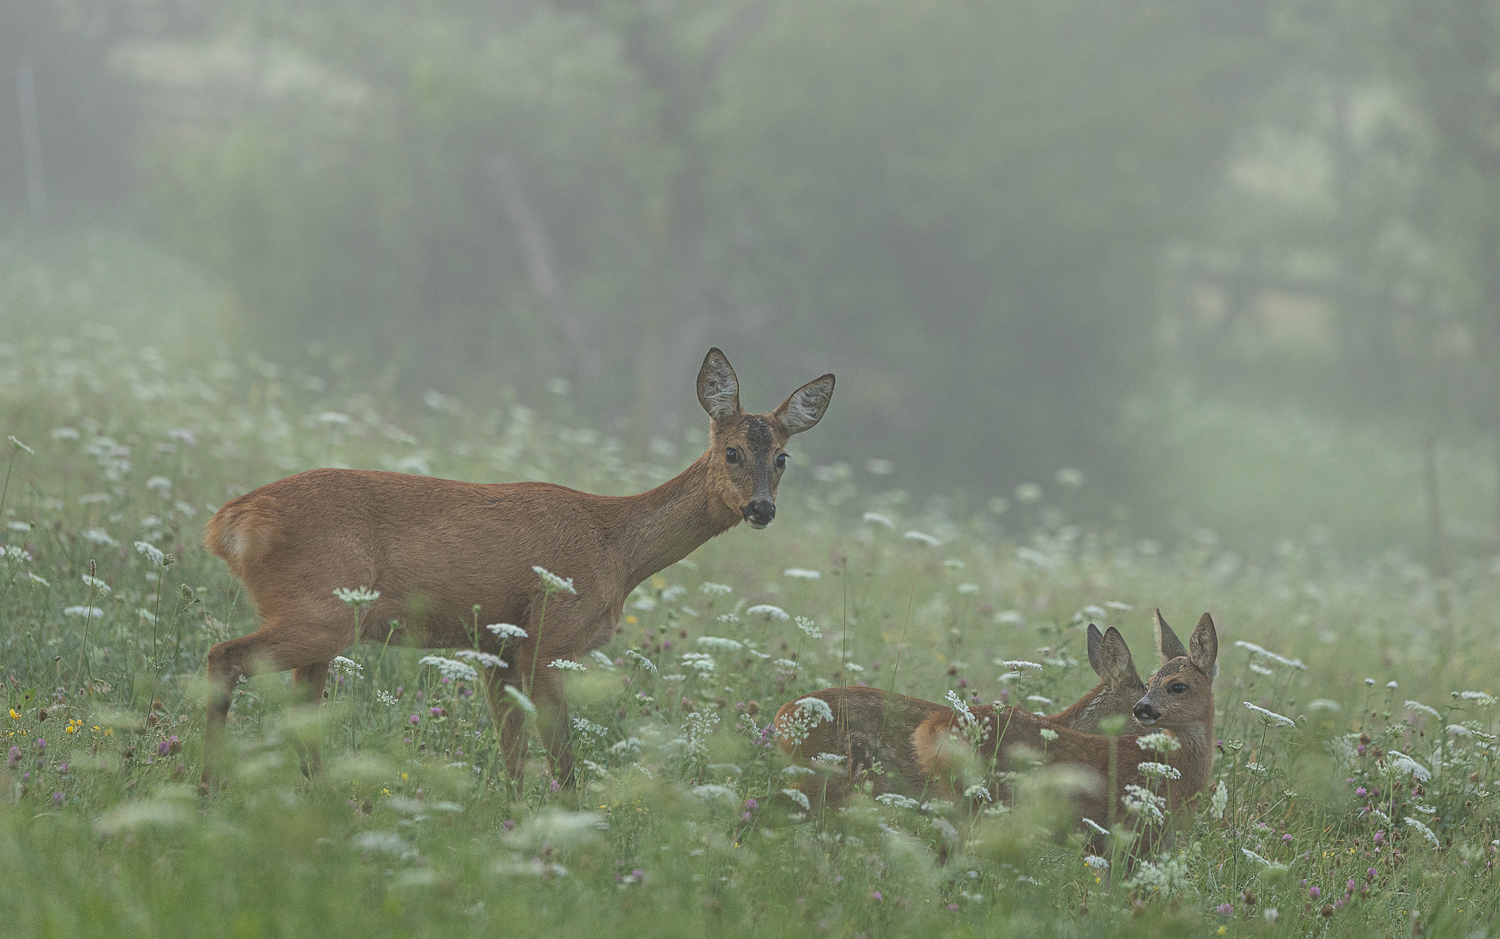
(108, 606)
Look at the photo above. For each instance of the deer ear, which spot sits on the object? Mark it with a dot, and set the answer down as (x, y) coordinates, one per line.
(1096, 651)
(806, 405)
(1167, 643)
(718, 389)
(1204, 646)
(1116, 658)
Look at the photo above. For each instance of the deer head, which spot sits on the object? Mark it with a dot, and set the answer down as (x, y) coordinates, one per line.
(748, 451)
(1176, 695)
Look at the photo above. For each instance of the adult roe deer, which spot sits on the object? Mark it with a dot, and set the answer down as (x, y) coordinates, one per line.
(871, 728)
(436, 548)
(1179, 700)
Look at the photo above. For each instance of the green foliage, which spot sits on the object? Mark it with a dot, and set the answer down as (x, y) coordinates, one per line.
(413, 830)
(363, 209)
(981, 190)
(972, 199)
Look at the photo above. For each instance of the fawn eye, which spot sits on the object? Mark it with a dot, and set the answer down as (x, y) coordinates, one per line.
(732, 455)
(781, 461)
(1178, 688)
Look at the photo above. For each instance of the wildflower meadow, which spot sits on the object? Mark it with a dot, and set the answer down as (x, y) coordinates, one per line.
(1354, 791)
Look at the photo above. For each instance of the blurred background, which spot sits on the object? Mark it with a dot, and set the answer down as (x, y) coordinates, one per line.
(1222, 269)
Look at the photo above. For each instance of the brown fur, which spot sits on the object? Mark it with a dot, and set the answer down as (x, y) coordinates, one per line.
(434, 548)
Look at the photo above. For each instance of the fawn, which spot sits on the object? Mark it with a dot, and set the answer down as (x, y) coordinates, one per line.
(959, 755)
(869, 731)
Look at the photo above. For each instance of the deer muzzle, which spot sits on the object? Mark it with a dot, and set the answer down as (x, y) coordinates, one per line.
(1146, 713)
(759, 512)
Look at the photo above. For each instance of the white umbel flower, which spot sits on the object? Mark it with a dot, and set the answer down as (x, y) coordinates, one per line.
(451, 669)
(552, 583)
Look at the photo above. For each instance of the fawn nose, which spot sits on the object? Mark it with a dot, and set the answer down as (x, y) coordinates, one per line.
(1145, 713)
(759, 512)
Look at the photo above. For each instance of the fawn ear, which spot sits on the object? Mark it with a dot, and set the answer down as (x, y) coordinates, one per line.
(1167, 643)
(1096, 650)
(718, 389)
(1204, 644)
(1115, 655)
(805, 406)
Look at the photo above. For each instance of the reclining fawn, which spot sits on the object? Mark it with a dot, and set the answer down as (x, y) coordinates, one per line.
(931, 760)
(435, 549)
(870, 731)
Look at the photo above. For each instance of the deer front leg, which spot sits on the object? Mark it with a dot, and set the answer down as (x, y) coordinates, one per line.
(552, 724)
(509, 719)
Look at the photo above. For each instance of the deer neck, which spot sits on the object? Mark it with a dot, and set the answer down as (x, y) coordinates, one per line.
(662, 526)
(1196, 758)
(1079, 715)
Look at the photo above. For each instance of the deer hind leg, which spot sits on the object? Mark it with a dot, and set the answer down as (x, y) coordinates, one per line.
(275, 647)
(308, 682)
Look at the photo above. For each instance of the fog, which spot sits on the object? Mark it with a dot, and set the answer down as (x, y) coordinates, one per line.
(1222, 270)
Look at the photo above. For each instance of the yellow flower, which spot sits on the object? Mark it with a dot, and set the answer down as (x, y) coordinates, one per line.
(13, 715)
(403, 777)
(632, 619)
(1223, 930)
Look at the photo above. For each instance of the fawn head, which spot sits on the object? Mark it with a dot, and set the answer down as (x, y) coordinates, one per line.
(748, 452)
(1110, 659)
(1176, 695)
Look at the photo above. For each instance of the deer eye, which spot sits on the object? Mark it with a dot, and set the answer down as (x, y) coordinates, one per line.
(781, 461)
(1178, 688)
(732, 455)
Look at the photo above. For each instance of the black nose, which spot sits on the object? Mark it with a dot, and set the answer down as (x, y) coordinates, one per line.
(1145, 712)
(759, 512)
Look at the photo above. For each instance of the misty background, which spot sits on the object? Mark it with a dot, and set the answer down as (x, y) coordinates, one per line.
(1222, 269)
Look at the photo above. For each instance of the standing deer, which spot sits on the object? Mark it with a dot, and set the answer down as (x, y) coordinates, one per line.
(946, 744)
(436, 548)
(870, 730)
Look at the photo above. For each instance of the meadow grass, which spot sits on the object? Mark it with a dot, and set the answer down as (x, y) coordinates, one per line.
(1366, 807)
